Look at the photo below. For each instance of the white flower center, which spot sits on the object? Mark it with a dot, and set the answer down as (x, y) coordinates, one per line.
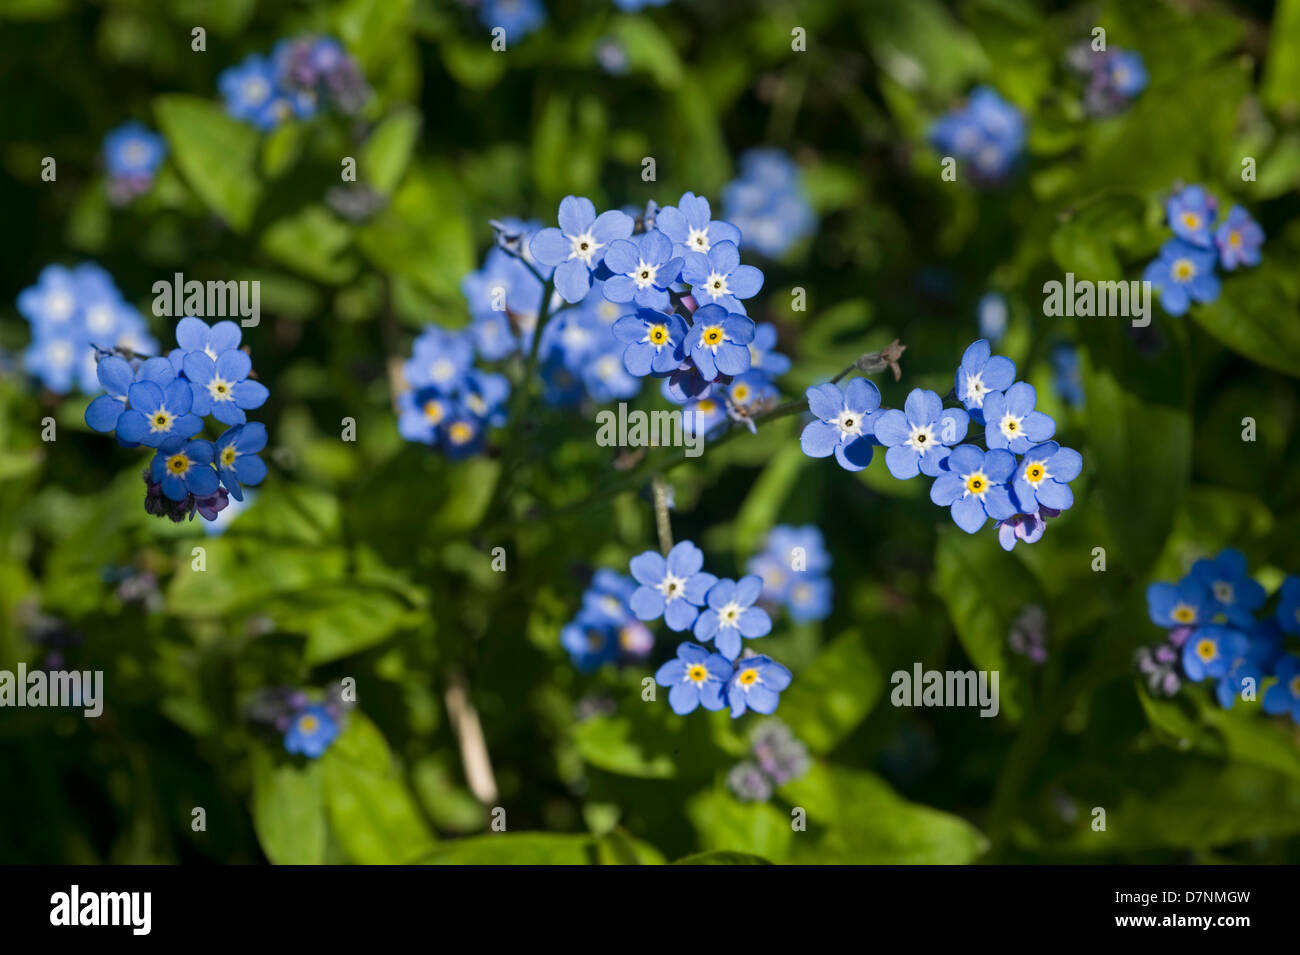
(60, 354)
(1223, 592)
(219, 389)
(583, 247)
(698, 239)
(99, 319)
(442, 370)
(716, 285)
(849, 422)
(729, 616)
(256, 90)
(975, 390)
(59, 306)
(1011, 426)
(672, 586)
(921, 439)
(135, 153)
(644, 274)
(607, 367)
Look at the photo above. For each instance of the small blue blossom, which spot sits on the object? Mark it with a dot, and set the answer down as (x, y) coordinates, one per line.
(1043, 478)
(608, 596)
(992, 312)
(1238, 239)
(695, 677)
(421, 413)
(690, 227)
(184, 467)
(311, 732)
(484, 395)
(439, 359)
(503, 295)
(979, 375)
(1185, 604)
(762, 354)
(1191, 213)
(223, 388)
(974, 485)
(674, 587)
(809, 599)
(578, 246)
(517, 17)
(1210, 652)
(1127, 72)
(133, 151)
(463, 432)
(236, 457)
(117, 376)
(655, 342)
(590, 642)
(252, 93)
(756, 685)
(1231, 591)
(731, 615)
(919, 437)
(718, 278)
(768, 203)
(1288, 607)
(1012, 422)
(845, 423)
(158, 413)
(703, 415)
(194, 334)
(1027, 528)
(987, 132)
(1182, 274)
(718, 341)
(1234, 683)
(1284, 695)
(1067, 375)
(643, 268)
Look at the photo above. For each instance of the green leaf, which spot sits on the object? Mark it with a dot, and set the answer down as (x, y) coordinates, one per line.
(1281, 86)
(387, 152)
(1255, 317)
(829, 699)
(1085, 243)
(289, 811)
(722, 858)
(763, 503)
(725, 824)
(613, 744)
(516, 848)
(648, 49)
(855, 817)
(315, 242)
(217, 155)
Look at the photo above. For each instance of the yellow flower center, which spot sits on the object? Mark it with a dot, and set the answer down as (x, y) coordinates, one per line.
(712, 335)
(1295, 686)
(460, 432)
(1035, 473)
(178, 464)
(740, 393)
(1206, 650)
(697, 673)
(1191, 220)
(1184, 270)
(707, 405)
(658, 334)
(160, 420)
(977, 483)
(1184, 614)
(433, 411)
(1234, 239)
(219, 389)
(308, 724)
(228, 455)
(748, 677)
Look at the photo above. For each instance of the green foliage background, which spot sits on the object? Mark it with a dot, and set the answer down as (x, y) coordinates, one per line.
(371, 559)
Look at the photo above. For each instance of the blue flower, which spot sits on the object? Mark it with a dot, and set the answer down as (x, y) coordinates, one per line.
(1185, 604)
(1043, 478)
(1127, 72)
(767, 203)
(133, 151)
(674, 587)
(503, 290)
(1284, 695)
(919, 436)
(979, 375)
(578, 246)
(223, 388)
(439, 359)
(607, 597)
(751, 392)
(846, 419)
(1028, 527)
(606, 378)
(184, 467)
(691, 228)
(158, 413)
(1012, 422)
(116, 376)
(718, 278)
(1288, 607)
(1210, 652)
(756, 685)
(421, 413)
(703, 415)
(1238, 239)
(1233, 683)
(988, 132)
(655, 342)
(236, 457)
(762, 354)
(643, 269)
(799, 549)
(518, 17)
(1231, 591)
(731, 614)
(194, 334)
(809, 599)
(590, 642)
(311, 732)
(53, 358)
(252, 93)
(1182, 274)
(484, 395)
(52, 302)
(636, 6)
(718, 341)
(696, 677)
(974, 485)
(463, 433)
(1191, 212)
(1067, 375)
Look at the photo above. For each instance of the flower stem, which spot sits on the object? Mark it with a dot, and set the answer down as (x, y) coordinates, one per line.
(662, 522)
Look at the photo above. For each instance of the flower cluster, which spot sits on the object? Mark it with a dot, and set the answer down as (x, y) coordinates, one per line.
(307, 727)
(73, 312)
(1217, 632)
(161, 402)
(132, 154)
(447, 402)
(778, 758)
(302, 75)
(987, 132)
(1019, 481)
(767, 202)
(720, 612)
(605, 629)
(1183, 272)
(793, 566)
(1113, 78)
